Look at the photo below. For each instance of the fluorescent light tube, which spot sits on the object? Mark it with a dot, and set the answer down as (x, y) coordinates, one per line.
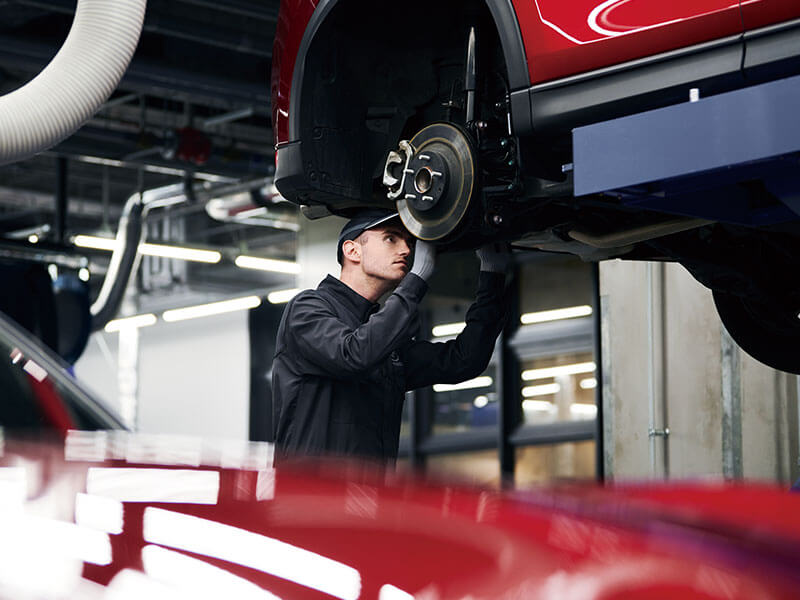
(448, 329)
(469, 384)
(282, 296)
(583, 410)
(267, 264)
(213, 308)
(545, 373)
(181, 253)
(94, 242)
(538, 405)
(162, 250)
(556, 315)
(540, 390)
(137, 321)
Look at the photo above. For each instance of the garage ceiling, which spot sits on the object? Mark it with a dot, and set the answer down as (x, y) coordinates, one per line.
(200, 76)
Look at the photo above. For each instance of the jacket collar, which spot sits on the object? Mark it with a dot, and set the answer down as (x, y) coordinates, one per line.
(354, 302)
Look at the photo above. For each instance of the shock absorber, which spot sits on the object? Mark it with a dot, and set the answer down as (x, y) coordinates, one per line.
(469, 78)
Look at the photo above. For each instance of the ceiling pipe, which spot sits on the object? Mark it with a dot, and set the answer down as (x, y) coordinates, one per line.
(76, 83)
(147, 77)
(228, 117)
(125, 257)
(130, 233)
(237, 7)
(177, 28)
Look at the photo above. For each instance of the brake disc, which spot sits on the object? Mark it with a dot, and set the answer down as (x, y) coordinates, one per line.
(437, 182)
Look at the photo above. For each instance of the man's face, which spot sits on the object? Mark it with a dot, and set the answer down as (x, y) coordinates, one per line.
(386, 252)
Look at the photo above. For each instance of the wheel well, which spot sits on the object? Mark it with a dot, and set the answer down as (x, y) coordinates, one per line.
(375, 73)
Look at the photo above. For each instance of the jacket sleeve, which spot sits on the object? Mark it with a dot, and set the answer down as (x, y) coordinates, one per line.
(467, 355)
(334, 349)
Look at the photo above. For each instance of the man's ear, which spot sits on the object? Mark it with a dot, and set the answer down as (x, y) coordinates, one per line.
(352, 251)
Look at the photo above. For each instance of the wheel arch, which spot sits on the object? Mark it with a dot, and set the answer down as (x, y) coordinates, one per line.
(327, 171)
(506, 24)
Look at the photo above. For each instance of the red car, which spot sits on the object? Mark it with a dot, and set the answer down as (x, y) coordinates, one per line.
(563, 127)
(37, 391)
(114, 515)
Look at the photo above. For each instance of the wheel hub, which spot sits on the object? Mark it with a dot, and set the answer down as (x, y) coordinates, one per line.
(432, 179)
(427, 182)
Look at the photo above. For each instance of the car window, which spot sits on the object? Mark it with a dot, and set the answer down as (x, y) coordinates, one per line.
(37, 390)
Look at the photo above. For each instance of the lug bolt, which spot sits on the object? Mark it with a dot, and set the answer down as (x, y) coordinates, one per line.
(503, 142)
(497, 219)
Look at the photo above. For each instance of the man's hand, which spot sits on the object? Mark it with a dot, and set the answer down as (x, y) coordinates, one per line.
(424, 259)
(494, 257)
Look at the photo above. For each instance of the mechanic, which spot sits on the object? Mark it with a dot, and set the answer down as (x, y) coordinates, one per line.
(342, 362)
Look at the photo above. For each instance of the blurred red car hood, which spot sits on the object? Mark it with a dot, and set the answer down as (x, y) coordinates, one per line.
(112, 514)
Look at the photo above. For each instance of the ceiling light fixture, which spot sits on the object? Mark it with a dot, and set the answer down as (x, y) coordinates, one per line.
(448, 329)
(480, 401)
(531, 374)
(583, 410)
(267, 264)
(161, 250)
(138, 321)
(538, 405)
(94, 242)
(282, 296)
(556, 314)
(588, 384)
(181, 253)
(212, 308)
(477, 382)
(540, 390)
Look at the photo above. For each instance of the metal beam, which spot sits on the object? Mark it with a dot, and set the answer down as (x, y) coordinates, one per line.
(144, 76)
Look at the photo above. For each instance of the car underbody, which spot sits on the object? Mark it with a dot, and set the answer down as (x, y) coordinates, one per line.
(414, 109)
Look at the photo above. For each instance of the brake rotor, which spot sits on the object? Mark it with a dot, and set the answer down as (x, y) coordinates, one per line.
(438, 183)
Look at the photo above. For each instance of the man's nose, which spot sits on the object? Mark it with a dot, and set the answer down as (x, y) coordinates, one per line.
(405, 248)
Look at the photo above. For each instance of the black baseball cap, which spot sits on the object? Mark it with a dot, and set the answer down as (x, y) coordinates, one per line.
(367, 219)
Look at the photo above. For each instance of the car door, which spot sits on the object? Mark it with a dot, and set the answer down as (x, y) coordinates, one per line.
(568, 38)
(760, 13)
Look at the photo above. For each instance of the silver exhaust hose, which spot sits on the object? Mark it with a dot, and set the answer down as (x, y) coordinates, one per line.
(125, 258)
(78, 80)
(124, 261)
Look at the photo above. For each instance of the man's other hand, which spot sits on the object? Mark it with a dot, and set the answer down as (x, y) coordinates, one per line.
(424, 259)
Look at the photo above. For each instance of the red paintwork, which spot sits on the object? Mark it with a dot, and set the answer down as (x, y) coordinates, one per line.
(568, 38)
(560, 40)
(689, 541)
(759, 13)
(51, 406)
(293, 17)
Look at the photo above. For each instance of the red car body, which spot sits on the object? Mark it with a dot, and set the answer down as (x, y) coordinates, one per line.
(562, 39)
(144, 517)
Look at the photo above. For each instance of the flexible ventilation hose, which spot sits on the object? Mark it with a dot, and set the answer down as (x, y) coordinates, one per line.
(78, 80)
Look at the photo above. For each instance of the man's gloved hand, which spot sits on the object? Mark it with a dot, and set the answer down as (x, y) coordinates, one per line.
(494, 257)
(424, 259)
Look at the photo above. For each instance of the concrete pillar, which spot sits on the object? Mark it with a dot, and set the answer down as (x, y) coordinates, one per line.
(668, 363)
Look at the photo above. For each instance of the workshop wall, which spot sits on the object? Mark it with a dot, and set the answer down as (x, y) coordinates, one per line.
(194, 377)
(669, 363)
(188, 377)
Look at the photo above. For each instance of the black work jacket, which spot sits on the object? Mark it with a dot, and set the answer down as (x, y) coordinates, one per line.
(343, 364)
